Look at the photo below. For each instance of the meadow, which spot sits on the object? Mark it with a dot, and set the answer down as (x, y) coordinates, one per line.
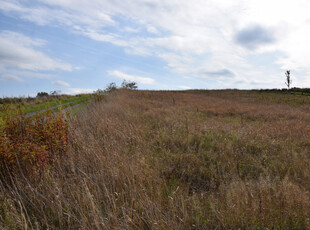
(219, 159)
(32, 105)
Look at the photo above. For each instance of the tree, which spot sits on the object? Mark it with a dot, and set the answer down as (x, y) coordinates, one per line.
(55, 93)
(288, 79)
(42, 94)
(129, 85)
(111, 87)
(99, 94)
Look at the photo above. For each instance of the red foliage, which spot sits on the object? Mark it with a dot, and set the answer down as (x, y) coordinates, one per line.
(30, 144)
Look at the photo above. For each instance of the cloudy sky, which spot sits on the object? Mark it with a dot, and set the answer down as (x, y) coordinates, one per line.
(79, 46)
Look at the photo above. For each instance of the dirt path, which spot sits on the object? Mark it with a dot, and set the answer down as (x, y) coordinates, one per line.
(54, 107)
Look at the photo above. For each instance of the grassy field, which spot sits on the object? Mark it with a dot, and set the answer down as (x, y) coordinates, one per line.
(196, 159)
(57, 102)
(39, 104)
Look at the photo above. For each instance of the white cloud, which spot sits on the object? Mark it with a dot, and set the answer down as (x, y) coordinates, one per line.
(21, 39)
(184, 87)
(68, 14)
(28, 74)
(19, 51)
(11, 78)
(131, 30)
(124, 76)
(78, 91)
(14, 75)
(103, 37)
(187, 35)
(151, 29)
(61, 83)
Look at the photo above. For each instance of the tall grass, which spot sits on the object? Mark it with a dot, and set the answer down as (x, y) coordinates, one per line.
(173, 160)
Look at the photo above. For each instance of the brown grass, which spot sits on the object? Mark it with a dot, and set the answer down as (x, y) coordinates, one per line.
(175, 160)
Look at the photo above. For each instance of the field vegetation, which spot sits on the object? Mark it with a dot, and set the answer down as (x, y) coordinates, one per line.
(34, 104)
(196, 159)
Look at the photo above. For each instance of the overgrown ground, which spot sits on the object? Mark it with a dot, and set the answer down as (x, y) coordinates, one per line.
(173, 160)
(32, 105)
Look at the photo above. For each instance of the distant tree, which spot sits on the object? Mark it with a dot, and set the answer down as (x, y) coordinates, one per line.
(111, 87)
(55, 93)
(99, 94)
(42, 94)
(129, 85)
(288, 79)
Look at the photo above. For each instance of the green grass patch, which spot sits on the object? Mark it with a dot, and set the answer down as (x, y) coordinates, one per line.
(54, 105)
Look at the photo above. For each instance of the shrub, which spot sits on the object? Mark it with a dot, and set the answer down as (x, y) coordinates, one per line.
(28, 145)
(98, 94)
(111, 87)
(42, 94)
(129, 85)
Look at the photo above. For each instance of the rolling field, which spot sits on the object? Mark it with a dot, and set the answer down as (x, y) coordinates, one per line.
(164, 160)
(30, 106)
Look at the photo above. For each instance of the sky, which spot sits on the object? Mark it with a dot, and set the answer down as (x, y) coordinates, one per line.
(79, 46)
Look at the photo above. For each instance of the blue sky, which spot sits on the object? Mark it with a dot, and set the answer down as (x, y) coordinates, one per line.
(83, 45)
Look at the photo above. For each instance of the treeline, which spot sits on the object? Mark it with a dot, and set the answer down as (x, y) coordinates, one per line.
(284, 90)
(40, 95)
(9, 100)
(16, 100)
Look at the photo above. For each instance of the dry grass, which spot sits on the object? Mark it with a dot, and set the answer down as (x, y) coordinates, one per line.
(174, 160)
